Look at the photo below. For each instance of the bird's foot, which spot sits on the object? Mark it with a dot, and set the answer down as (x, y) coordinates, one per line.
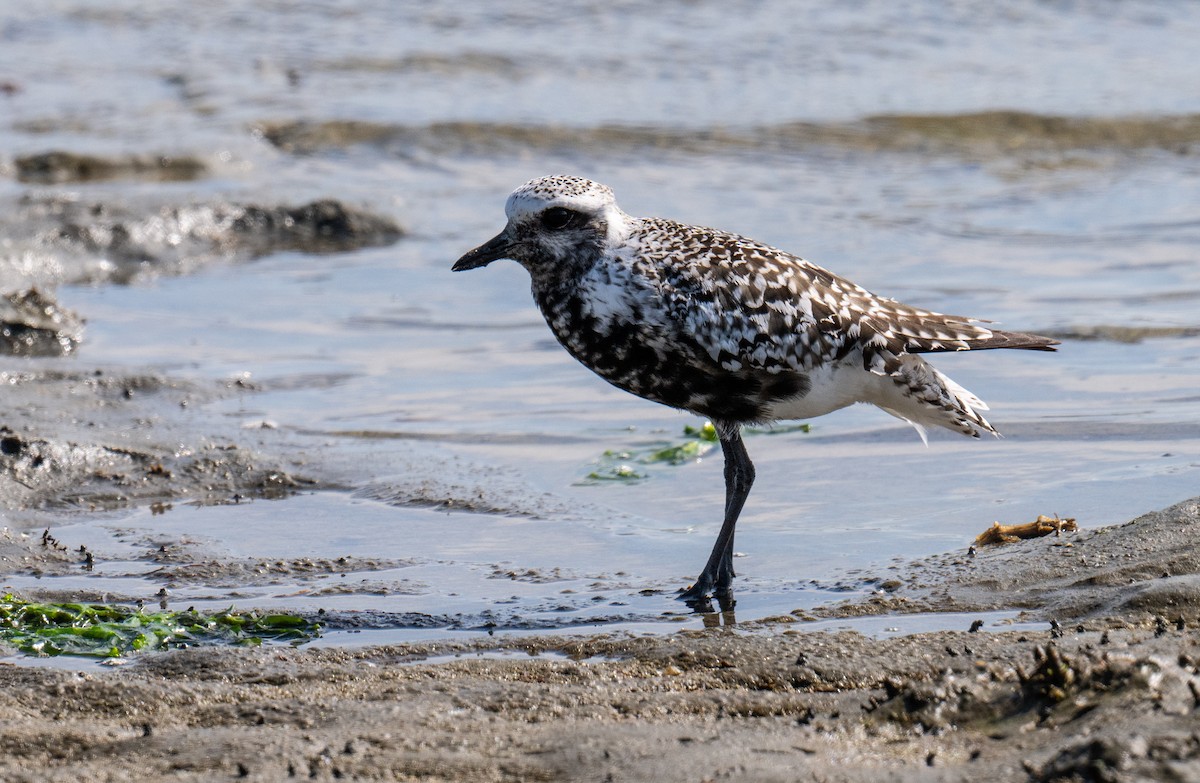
(699, 591)
(698, 596)
(705, 585)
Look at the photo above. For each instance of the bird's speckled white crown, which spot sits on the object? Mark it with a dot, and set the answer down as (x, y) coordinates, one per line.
(575, 193)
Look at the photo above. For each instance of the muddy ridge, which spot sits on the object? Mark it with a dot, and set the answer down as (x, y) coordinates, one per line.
(175, 233)
(988, 134)
(59, 166)
(32, 323)
(59, 239)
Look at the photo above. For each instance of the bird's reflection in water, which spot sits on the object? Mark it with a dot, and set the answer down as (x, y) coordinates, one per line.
(720, 616)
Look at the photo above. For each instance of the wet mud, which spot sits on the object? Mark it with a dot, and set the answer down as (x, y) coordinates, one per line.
(175, 236)
(57, 239)
(1110, 690)
(95, 440)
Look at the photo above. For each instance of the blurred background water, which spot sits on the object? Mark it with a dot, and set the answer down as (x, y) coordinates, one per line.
(1033, 163)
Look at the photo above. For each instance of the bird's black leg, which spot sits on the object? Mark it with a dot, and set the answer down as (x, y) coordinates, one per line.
(717, 576)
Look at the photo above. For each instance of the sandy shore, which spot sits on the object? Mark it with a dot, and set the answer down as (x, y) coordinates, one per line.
(1101, 684)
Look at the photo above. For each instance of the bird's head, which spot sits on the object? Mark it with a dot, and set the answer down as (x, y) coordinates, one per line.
(555, 224)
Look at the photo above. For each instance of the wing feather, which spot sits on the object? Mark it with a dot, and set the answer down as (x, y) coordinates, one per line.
(746, 304)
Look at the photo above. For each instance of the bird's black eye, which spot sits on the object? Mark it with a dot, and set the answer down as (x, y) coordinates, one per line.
(558, 218)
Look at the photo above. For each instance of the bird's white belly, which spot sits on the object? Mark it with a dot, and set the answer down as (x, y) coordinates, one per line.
(832, 387)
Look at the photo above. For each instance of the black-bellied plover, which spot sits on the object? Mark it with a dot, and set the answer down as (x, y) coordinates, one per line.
(728, 328)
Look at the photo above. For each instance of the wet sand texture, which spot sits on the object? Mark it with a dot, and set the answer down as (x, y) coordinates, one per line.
(89, 440)
(1109, 691)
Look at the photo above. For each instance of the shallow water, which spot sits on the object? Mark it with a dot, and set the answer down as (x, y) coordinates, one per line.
(403, 381)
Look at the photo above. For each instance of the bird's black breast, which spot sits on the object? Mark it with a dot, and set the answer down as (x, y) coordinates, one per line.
(650, 356)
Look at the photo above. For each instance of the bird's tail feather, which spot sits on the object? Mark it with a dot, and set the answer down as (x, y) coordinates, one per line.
(997, 339)
(917, 392)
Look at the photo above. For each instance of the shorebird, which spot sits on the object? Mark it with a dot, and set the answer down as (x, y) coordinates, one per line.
(731, 329)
